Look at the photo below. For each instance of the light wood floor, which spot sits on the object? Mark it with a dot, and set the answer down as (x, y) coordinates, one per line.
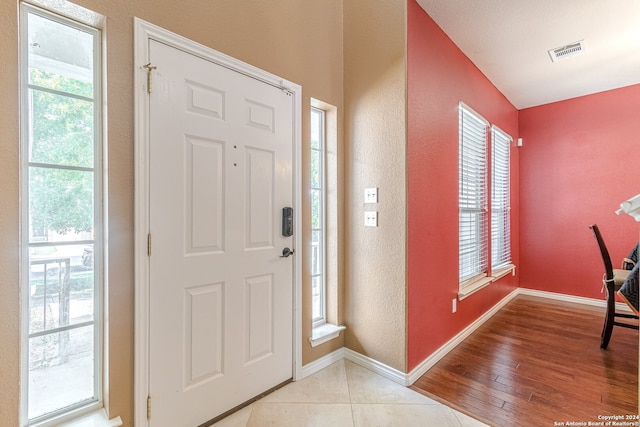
(538, 362)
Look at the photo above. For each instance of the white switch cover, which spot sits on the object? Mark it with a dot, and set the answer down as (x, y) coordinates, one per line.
(371, 195)
(371, 218)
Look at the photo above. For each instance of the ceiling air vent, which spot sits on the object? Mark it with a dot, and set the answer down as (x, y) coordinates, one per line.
(567, 51)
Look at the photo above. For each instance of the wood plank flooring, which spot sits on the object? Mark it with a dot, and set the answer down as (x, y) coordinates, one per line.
(538, 362)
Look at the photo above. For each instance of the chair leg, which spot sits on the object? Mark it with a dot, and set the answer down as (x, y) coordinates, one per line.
(609, 318)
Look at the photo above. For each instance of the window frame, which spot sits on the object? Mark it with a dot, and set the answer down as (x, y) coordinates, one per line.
(475, 204)
(322, 150)
(500, 200)
(99, 224)
(488, 148)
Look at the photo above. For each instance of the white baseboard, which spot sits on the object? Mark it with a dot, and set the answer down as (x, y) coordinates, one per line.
(408, 379)
(620, 306)
(321, 363)
(378, 367)
(427, 363)
(357, 358)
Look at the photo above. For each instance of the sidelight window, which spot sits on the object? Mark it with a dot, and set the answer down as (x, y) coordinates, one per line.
(61, 215)
(318, 202)
(325, 208)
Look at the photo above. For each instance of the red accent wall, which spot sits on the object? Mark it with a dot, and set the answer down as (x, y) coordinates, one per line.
(580, 158)
(439, 75)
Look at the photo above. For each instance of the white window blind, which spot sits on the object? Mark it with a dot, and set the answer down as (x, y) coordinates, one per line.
(500, 200)
(472, 194)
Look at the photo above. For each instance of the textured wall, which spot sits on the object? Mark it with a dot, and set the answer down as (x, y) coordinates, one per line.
(9, 217)
(579, 161)
(299, 41)
(439, 76)
(375, 117)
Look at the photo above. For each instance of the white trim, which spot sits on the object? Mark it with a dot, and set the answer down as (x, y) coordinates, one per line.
(373, 365)
(143, 32)
(401, 378)
(474, 286)
(96, 418)
(503, 271)
(505, 134)
(620, 306)
(434, 357)
(478, 282)
(297, 235)
(472, 111)
(379, 368)
(324, 332)
(141, 223)
(321, 363)
(24, 213)
(319, 322)
(93, 24)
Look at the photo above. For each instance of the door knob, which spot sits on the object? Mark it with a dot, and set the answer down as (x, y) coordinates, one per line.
(286, 252)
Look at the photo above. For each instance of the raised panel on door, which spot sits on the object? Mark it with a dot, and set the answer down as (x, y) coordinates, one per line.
(204, 195)
(220, 295)
(258, 333)
(259, 195)
(203, 343)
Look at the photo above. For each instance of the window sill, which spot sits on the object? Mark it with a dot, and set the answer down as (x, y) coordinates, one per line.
(476, 285)
(96, 418)
(324, 332)
(504, 271)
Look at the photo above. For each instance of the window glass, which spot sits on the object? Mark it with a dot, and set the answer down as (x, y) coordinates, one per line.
(60, 56)
(62, 130)
(60, 204)
(61, 145)
(318, 193)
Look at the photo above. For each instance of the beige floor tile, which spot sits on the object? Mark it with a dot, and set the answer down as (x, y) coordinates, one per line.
(326, 386)
(301, 414)
(343, 395)
(367, 387)
(467, 421)
(385, 415)
(237, 419)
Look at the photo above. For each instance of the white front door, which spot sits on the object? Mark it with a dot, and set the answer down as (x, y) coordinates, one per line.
(221, 295)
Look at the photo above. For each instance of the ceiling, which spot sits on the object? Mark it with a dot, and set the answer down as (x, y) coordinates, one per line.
(509, 40)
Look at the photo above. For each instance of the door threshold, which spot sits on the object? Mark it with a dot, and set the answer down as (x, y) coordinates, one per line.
(245, 404)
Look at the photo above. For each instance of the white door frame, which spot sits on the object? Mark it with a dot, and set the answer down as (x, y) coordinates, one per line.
(143, 32)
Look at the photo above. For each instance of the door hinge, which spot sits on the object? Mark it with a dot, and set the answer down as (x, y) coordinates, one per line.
(148, 407)
(149, 244)
(149, 68)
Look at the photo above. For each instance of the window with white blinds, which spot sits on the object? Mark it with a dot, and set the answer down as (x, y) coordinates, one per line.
(472, 194)
(500, 200)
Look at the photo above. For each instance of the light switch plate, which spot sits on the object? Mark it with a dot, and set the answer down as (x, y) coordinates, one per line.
(371, 195)
(371, 218)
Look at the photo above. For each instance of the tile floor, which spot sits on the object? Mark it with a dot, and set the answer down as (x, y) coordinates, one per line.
(342, 395)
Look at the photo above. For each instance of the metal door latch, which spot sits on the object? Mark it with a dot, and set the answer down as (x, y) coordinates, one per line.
(286, 252)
